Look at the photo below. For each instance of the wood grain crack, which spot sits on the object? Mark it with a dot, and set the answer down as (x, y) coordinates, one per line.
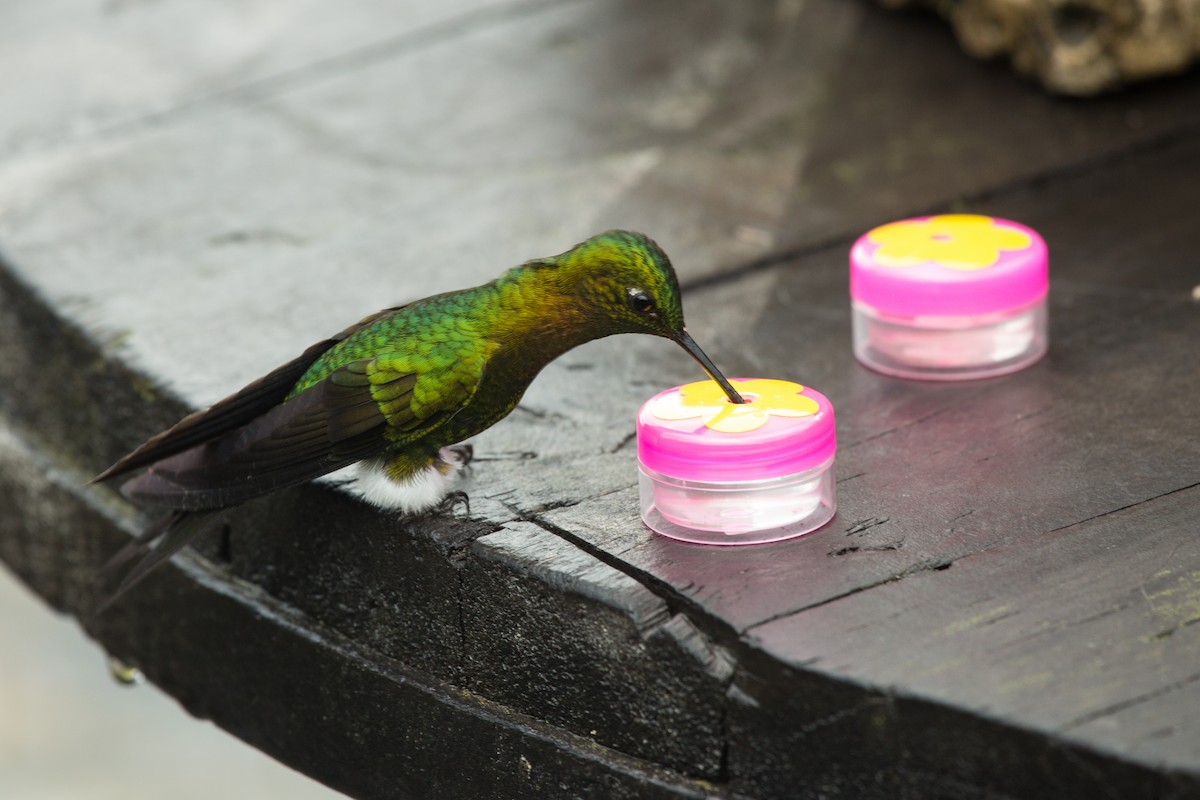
(1116, 708)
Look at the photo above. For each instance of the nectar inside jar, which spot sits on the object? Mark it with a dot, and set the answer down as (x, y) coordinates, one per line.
(715, 472)
(952, 297)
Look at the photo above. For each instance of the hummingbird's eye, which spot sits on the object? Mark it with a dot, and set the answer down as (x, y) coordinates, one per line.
(641, 302)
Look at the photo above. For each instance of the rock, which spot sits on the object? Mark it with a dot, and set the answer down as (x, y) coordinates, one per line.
(1077, 47)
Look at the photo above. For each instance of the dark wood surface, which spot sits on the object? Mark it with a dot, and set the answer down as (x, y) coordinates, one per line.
(1005, 603)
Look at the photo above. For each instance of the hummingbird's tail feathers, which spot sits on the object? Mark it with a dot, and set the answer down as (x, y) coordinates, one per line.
(153, 547)
(231, 413)
(315, 432)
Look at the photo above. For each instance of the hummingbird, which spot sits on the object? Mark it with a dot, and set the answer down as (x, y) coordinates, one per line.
(396, 393)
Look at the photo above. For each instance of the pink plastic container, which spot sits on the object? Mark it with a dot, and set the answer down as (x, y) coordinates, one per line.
(952, 297)
(714, 472)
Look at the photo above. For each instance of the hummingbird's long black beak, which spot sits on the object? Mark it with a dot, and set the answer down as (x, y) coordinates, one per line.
(688, 343)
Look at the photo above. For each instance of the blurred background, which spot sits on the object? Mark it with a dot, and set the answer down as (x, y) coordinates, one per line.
(70, 731)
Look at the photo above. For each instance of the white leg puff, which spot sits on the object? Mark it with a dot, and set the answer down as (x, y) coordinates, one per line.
(418, 493)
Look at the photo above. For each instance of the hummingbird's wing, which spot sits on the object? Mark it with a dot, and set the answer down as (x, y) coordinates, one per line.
(231, 413)
(354, 413)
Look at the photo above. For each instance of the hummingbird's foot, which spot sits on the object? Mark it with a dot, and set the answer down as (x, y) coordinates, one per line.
(446, 506)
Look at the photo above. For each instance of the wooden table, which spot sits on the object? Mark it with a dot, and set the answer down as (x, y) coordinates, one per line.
(1003, 605)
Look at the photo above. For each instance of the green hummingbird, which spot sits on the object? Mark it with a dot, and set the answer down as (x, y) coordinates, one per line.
(394, 392)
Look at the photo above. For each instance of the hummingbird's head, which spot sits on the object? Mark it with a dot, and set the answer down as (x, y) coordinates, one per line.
(627, 285)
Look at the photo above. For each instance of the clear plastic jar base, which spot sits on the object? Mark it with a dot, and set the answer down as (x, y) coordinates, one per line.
(754, 512)
(880, 363)
(950, 348)
(656, 522)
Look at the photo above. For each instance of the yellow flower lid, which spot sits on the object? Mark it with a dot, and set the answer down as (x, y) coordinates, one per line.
(949, 265)
(693, 432)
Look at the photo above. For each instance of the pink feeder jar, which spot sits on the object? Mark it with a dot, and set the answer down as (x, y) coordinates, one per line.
(715, 472)
(952, 297)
